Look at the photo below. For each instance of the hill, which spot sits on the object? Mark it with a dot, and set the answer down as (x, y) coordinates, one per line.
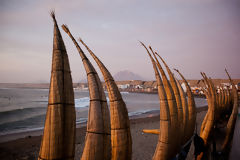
(126, 75)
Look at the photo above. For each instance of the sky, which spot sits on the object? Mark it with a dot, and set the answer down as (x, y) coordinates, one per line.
(191, 35)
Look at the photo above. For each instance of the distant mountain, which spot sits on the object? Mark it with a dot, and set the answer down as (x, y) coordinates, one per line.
(126, 75)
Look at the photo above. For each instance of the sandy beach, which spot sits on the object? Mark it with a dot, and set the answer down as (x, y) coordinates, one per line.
(27, 147)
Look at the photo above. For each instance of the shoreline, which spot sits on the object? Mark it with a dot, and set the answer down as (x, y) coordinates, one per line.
(39, 131)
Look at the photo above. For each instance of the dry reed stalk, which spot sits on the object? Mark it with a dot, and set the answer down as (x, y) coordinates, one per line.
(121, 139)
(152, 131)
(58, 140)
(98, 139)
(191, 107)
(177, 97)
(232, 120)
(165, 144)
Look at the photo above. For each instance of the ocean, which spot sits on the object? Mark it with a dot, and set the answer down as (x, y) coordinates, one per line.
(25, 109)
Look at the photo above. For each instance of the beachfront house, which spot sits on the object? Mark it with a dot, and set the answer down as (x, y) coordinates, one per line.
(123, 86)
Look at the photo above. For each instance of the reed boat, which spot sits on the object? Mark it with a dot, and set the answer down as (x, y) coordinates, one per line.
(58, 140)
(219, 123)
(176, 113)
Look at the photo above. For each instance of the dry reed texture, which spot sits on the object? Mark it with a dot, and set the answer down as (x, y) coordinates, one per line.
(165, 144)
(98, 139)
(121, 139)
(232, 120)
(178, 100)
(58, 141)
(191, 107)
(172, 108)
(185, 112)
(220, 104)
(174, 103)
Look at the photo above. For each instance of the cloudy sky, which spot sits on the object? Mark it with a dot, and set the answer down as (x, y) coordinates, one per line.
(191, 35)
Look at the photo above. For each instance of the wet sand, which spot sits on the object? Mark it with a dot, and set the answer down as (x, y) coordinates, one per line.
(143, 144)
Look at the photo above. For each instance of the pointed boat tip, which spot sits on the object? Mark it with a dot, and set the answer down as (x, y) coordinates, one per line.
(229, 77)
(151, 49)
(144, 45)
(176, 70)
(52, 13)
(80, 39)
(160, 58)
(141, 42)
(65, 28)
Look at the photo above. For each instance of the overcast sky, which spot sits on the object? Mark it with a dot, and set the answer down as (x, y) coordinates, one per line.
(191, 35)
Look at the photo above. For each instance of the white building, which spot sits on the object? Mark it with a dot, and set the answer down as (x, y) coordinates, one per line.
(123, 86)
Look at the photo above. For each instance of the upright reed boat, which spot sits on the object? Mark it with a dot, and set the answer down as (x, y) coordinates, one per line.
(58, 140)
(174, 112)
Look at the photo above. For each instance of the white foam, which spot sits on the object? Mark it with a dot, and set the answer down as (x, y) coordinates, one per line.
(82, 102)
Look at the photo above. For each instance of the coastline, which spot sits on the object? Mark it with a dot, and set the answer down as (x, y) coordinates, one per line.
(39, 132)
(25, 145)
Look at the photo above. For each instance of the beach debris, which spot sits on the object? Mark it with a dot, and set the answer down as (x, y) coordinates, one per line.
(98, 139)
(58, 140)
(121, 139)
(152, 131)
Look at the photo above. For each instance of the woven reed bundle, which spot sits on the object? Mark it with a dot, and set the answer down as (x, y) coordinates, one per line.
(232, 120)
(98, 139)
(218, 103)
(172, 108)
(177, 97)
(191, 107)
(209, 120)
(58, 140)
(121, 139)
(185, 112)
(165, 144)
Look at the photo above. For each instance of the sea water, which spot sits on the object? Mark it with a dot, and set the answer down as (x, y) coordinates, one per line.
(25, 109)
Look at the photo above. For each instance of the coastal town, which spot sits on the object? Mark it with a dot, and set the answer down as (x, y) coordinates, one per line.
(140, 86)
